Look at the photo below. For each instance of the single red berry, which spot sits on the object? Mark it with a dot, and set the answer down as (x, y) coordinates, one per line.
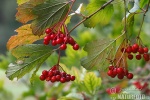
(54, 67)
(61, 35)
(145, 50)
(146, 57)
(120, 76)
(123, 50)
(75, 46)
(42, 77)
(63, 46)
(134, 50)
(57, 72)
(141, 50)
(72, 78)
(120, 70)
(45, 72)
(63, 80)
(45, 42)
(50, 73)
(58, 77)
(130, 56)
(48, 79)
(135, 46)
(130, 76)
(111, 67)
(115, 72)
(110, 72)
(113, 76)
(68, 78)
(66, 40)
(71, 41)
(63, 74)
(54, 43)
(138, 57)
(125, 72)
(129, 49)
(48, 31)
(47, 38)
(52, 36)
(59, 41)
(53, 79)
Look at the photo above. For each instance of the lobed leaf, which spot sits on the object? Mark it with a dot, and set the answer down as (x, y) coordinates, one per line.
(28, 57)
(103, 16)
(49, 13)
(91, 82)
(24, 13)
(98, 53)
(24, 36)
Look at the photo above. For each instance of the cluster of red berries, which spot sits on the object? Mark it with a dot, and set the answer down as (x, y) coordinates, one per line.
(119, 72)
(144, 88)
(59, 38)
(138, 50)
(54, 75)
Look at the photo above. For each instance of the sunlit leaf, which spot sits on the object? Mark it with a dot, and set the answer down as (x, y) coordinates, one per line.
(24, 36)
(103, 16)
(91, 82)
(24, 13)
(143, 3)
(19, 2)
(49, 13)
(32, 56)
(99, 52)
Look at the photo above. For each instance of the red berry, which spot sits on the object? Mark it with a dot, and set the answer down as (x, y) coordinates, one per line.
(71, 41)
(138, 85)
(111, 67)
(53, 79)
(47, 38)
(110, 72)
(130, 56)
(120, 76)
(59, 41)
(134, 50)
(45, 72)
(50, 73)
(58, 77)
(66, 40)
(63, 74)
(115, 72)
(63, 46)
(125, 72)
(120, 70)
(145, 50)
(141, 50)
(129, 49)
(63, 80)
(48, 79)
(72, 78)
(54, 67)
(52, 36)
(54, 43)
(135, 46)
(75, 46)
(68, 78)
(146, 57)
(138, 57)
(45, 42)
(113, 75)
(42, 77)
(123, 50)
(48, 31)
(130, 76)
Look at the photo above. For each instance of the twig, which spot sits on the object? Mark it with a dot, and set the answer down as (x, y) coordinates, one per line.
(102, 7)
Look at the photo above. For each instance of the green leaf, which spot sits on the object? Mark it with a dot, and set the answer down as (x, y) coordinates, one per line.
(19, 2)
(98, 53)
(24, 13)
(103, 16)
(49, 13)
(91, 82)
(28, 57)
(143, 3)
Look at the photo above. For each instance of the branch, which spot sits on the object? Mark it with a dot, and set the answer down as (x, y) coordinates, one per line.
(102, 7)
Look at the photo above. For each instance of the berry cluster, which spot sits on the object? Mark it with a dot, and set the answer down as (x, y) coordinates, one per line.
(114, 90)
(119, 72)
(59, 38)
(54, 75)
(138, 50)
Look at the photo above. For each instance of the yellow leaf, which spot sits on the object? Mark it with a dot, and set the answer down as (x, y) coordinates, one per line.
(24, 36)
(21, 1)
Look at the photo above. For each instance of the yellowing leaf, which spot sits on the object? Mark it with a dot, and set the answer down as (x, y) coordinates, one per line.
(21, 1)
(24, 13)
(24, 36)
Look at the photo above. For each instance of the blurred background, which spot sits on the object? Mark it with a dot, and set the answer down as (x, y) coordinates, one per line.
(23, 90)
